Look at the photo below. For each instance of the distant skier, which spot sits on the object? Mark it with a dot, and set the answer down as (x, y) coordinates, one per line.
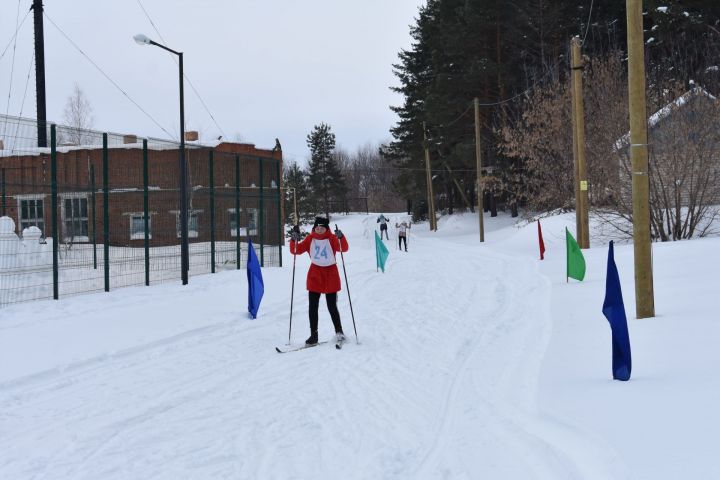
(402, 234)
(323, 276)
(382, 220)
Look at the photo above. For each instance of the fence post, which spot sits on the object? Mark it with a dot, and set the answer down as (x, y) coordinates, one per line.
(237, 211)
(94, 213)
(279, 211)
(54, 206)
(106, 214)
(261, 215)
(211, 174)
(146, 211)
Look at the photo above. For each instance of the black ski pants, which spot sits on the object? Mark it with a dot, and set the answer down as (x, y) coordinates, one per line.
(383, 228)
(402, 239)
(331, 300)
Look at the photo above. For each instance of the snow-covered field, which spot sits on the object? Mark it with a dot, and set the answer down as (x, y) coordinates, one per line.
(475, 361)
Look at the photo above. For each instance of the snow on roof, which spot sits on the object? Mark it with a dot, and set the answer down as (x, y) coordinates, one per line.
(664, 112)
(19, 135)
(69, 148)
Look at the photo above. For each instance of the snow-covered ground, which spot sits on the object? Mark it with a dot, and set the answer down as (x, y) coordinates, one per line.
(475, 361)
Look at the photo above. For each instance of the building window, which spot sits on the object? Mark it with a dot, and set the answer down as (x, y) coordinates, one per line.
(192, 223)
(233, 216)
(137, 226)
(251, 222)
(75, 218)
(31, 213)
(252, 216)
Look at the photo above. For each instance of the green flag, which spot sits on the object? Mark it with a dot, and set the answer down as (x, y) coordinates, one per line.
(575, 259)
(381, 252)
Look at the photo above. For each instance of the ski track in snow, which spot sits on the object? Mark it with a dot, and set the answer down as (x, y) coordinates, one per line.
(422, 397)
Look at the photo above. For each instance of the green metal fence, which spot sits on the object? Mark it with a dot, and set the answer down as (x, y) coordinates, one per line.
(99, 211)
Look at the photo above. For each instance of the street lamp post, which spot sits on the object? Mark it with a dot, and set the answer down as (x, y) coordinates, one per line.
(295, 212)
(184, 249)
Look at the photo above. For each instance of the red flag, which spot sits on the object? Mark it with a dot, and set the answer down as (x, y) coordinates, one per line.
(542, 244)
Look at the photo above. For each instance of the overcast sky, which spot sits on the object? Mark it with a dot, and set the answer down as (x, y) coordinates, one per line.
(264, 68)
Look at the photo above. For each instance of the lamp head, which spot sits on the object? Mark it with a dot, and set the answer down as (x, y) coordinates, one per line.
(141, 39)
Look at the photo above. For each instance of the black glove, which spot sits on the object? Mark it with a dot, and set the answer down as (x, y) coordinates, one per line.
(295, 233)
(339, 234)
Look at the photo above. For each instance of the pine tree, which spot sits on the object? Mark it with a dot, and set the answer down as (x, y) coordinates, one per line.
(496, 51)
(297, 186)
(324, 177)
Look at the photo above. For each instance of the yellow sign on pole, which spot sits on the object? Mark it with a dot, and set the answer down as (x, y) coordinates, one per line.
(583, 185)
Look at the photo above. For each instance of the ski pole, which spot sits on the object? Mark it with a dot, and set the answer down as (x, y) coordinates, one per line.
(347, 285)
(292, 293)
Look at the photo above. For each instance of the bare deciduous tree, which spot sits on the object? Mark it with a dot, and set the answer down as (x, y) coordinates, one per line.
(369, 176)
(684, 168)
(684, 163)
(78, 118)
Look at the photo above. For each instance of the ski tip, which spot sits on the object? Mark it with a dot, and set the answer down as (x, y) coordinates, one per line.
(278, 350)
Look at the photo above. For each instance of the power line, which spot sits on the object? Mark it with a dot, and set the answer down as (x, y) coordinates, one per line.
(184, 74)
(501, 102)
(108, 77)
(525, 92)
(27, 83)
(458, 118)
(12, 66)
(22, 105)
(587, 28)
(17, 29)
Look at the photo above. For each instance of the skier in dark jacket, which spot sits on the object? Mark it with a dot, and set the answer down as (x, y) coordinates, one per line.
(382, 220)
(323, 276)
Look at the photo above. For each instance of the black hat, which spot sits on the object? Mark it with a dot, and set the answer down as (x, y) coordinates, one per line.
(322, 222)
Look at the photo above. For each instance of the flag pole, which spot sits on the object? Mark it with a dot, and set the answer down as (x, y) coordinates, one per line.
(567, 257)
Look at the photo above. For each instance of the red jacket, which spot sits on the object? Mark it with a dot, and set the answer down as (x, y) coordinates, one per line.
(323, 276)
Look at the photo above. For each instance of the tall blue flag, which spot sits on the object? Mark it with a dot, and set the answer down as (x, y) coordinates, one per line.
(614, 310)
(256, 287)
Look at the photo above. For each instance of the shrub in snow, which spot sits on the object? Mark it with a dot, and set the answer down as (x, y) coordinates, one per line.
(9, 244)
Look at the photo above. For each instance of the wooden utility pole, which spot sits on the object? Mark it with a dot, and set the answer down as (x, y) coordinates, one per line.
(644, 297)
(428, 174)
(576, 175)
(478, 158)
(581, 187)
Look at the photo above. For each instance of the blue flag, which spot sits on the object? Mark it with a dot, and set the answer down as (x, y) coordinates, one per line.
(614, 310)
(256, 287)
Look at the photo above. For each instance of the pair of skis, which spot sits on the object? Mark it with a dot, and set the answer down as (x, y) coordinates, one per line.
(338, 345)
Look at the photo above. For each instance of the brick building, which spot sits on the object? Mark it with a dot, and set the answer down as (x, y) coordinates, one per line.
(27, 187)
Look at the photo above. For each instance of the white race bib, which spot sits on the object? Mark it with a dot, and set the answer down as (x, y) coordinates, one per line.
(321, 252)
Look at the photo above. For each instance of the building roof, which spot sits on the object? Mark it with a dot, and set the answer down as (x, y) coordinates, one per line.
(19, 136)
(666, 111)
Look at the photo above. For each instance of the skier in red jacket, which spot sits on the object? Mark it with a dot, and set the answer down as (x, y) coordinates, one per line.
(323, 276)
